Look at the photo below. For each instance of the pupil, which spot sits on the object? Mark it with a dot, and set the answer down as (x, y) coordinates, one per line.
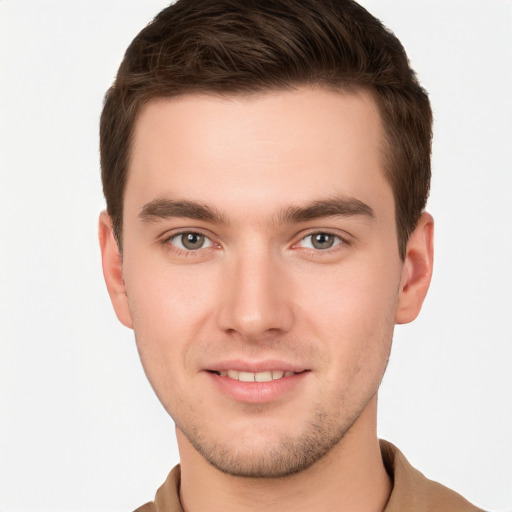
(192, 240)
(323, 241)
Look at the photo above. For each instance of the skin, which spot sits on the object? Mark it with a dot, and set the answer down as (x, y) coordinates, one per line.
(261, 293)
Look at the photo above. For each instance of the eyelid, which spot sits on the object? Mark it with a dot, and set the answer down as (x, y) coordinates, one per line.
(337, 241)
(166, 238)
(178, 238)
(343, 237)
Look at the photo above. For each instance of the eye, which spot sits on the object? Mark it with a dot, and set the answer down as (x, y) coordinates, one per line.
(320, 241)
(190, 241)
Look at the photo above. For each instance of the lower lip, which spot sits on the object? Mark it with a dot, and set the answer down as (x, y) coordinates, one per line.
(257, 392)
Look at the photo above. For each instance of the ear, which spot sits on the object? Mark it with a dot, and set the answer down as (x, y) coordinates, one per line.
(416, 271)
(113, 269)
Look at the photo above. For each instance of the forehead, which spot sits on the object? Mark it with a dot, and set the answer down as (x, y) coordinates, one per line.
(266, 148)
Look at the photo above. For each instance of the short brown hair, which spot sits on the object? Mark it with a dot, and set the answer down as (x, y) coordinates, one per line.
(242, 46)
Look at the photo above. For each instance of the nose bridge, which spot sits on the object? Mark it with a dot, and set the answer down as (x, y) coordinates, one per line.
(254, 302)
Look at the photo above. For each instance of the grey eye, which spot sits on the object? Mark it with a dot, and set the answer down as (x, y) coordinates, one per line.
(320, 241)
(190, 241)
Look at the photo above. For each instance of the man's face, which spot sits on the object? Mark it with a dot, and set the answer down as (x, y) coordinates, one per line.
(261, 270)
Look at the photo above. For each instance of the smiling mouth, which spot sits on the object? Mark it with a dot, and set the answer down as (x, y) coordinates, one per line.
(265, 376)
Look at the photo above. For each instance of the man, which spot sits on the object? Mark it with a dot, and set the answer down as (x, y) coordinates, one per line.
(266, 166)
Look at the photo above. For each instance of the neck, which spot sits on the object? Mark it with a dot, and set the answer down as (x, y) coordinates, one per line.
(350, 477)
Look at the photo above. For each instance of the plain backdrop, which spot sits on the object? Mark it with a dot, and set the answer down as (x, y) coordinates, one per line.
(80, 428)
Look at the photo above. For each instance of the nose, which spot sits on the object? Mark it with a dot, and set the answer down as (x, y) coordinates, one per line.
(255, 300)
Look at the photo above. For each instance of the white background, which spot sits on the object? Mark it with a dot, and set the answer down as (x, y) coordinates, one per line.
(80, 428)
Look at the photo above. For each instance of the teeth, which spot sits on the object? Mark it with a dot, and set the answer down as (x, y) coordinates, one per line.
(266, 376)
(263, 377)
(246, 376)
(233, 374)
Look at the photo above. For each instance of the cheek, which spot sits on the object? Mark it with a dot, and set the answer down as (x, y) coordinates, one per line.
(159, 324)
(354, 296)
(353, 314)
(168, 312)
(168, 299)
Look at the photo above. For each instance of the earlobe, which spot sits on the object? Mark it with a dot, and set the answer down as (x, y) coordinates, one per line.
(113, 269)
(416, 270)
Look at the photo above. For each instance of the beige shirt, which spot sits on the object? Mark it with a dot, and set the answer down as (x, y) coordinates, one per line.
(412, 492)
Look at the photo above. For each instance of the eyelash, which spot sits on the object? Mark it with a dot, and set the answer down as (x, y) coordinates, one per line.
(167, 242)
(338, 240)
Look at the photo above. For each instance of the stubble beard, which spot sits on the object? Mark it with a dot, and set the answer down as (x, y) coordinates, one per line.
(288, 456)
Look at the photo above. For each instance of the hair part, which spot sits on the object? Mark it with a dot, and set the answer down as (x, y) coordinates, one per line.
(230, 47)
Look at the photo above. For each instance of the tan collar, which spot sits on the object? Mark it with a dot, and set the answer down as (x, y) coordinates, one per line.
(412, 491)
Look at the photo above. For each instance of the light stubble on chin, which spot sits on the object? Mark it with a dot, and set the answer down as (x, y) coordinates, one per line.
(290, 456)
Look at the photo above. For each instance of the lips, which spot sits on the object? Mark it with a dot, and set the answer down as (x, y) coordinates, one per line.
(257, 383)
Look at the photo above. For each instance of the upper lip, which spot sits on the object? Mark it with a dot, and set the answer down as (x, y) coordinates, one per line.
(255, 366)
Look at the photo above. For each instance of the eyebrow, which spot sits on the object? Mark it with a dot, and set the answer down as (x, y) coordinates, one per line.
(160, 209)
(338, 206)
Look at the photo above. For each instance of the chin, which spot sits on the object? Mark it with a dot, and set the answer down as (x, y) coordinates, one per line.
(267, 456)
